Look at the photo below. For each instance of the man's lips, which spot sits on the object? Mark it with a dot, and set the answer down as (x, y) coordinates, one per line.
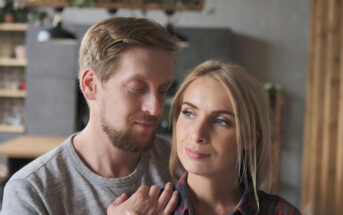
(196, 154)
(145, 124)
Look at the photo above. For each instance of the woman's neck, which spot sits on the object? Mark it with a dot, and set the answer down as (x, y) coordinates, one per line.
(212, 195)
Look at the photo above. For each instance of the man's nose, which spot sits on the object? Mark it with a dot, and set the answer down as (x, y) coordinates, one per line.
(153, 104)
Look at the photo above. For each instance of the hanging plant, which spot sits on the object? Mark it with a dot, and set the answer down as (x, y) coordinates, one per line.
(83, 3)
(12, 11)
(91, 3)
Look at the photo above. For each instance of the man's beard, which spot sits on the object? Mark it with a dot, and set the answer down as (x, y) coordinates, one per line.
(124, 139)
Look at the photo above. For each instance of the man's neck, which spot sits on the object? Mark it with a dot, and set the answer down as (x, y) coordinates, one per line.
(98, 153)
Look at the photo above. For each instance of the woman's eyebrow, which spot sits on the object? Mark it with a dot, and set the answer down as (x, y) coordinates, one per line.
(216, 112)
(190, 104)
(224, 112)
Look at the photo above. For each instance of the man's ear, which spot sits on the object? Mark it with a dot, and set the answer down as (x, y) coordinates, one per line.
(88, 84)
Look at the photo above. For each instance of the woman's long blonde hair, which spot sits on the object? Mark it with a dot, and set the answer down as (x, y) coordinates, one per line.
(251, 109)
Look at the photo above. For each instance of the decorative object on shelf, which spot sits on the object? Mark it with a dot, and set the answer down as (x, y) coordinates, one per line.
(13, 119)
(56, 33)
(12, 11)
(272, 90)
(38, 17)
(6, 48)
(22, 85)
(20, 51)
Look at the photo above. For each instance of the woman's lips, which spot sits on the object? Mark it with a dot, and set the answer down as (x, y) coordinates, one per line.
(195, 154)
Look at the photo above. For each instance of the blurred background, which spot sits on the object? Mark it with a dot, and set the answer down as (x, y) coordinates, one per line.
(293, 47)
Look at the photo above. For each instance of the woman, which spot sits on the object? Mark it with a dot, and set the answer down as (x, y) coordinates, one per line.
(221, 144)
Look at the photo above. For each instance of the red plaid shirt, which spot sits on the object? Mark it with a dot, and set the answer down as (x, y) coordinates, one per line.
(269, 204)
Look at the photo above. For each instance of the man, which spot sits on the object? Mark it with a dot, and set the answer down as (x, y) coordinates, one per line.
(126, 68)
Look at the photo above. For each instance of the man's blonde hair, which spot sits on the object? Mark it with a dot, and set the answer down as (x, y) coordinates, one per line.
(251, 109)
(104, 42)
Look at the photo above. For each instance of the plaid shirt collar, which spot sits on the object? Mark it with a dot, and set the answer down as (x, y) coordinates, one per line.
(246, 206)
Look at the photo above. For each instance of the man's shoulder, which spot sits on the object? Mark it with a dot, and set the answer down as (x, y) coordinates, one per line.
(161, 146)
(162, 139)
(49, 161)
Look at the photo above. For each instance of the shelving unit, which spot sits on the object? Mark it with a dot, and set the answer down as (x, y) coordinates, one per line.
(13, 62)
(12, 128)
(12, 93)
(12, 72)
(13, 27)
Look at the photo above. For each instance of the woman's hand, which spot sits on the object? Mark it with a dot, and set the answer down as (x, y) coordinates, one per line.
(146, 201)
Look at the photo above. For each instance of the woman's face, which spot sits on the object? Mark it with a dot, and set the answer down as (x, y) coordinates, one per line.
(206, 130)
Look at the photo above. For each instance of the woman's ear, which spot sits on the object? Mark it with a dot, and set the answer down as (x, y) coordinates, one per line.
(88, 84)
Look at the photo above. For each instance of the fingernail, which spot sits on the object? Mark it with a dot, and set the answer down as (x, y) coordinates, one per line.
(127, 212)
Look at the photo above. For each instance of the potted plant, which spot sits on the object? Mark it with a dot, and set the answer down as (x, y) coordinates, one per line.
(12, 11)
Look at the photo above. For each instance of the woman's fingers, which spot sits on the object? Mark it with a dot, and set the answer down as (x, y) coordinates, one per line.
(165, 195)
(146, 200)
(131, 213)
(154, 192)
(120, 199)
(171, 206)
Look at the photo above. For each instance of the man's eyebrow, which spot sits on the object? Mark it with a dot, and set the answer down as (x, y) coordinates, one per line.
(168, 83)
(137, 77)
(216, 112)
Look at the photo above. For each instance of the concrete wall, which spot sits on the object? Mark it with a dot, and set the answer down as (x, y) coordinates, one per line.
(271, 38)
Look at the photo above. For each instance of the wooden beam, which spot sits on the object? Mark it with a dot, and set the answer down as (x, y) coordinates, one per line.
(323, 142)
(339, 174)
(314, 112)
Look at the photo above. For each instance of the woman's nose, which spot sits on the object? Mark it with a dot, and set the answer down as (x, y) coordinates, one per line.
(200, 132)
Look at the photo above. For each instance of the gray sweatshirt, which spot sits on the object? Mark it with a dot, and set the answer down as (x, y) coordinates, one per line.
(60, 183)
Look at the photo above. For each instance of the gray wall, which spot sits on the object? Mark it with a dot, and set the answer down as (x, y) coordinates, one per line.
(51, 88)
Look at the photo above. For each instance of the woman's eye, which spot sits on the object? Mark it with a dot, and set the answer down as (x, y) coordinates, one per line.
(188, 114)
(223, 122)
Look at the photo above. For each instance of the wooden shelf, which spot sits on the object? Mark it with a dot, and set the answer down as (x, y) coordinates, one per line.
(12, 128)
(12, 93)
(118, 5)
(29, 146)
(13, 26)
(13, 62)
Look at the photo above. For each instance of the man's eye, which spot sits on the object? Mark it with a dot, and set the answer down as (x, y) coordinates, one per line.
(162, 92)
(223, 122)
(188, 114)
(136, 89)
